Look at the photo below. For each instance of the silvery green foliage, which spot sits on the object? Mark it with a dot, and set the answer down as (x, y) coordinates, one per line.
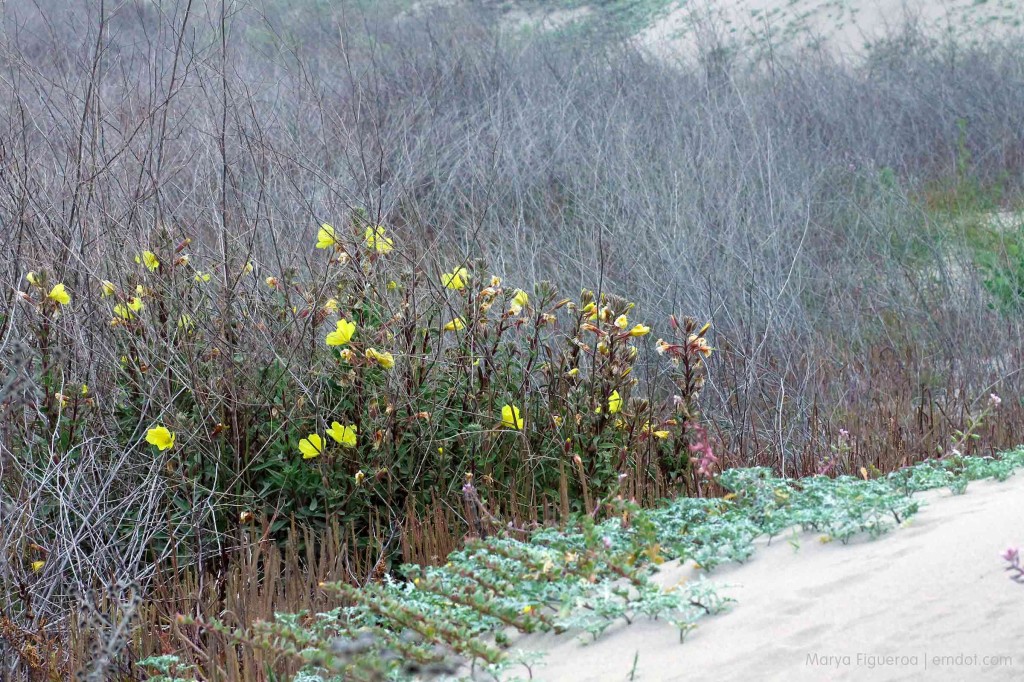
(589, 576)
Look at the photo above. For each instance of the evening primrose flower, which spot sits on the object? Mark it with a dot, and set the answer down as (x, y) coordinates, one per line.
(384, 359)
(519, 301)
(272, 282)
(590, 310)
(107, 288)
(456, 279)
(59, 294)
(660, 434)
(325, 237)
(311, 446)
(346, 435)
(614, 402)
(377, 239)
(699, 344)
(149, 259)
(159, 436)
(511, 417)
(455, 325)
(33, 279)
(640, 330)
(38, 566)
(359, 477)
(621, 322)
(342, 333)
(202, 277)
(331, 305)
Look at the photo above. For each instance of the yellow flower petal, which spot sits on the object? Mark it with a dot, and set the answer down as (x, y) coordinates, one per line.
(614, 402)
(311, 446)
(377, 239)
(342, 334)
(384, 359)
(519, 301)
(456, 279)
(511, 417)
(455, 325)
(38, 565)
(161, 437)
(107, 288)
(639, 330)
(325, 237)
(59, 294)
(346, 435)
(149, 259)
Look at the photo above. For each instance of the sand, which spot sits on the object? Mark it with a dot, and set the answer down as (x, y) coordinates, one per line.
(936, 587)
(843, 26)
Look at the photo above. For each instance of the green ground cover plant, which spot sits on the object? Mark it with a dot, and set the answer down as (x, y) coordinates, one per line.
(584, 578)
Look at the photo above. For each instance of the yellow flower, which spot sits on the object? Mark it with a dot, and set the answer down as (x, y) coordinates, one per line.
(33, 279)
(359, 477)
(85, 390)
(59, 294)
(38, 565)
(392, 285)
(614, 402)
(248, 268)
(456, 279)
(346, 435)
(590, 310)
(519, 301)
(326, 238)
(455, 325)
(377, 239)
(106, 288)
(202, 277)
(160, 437)
(385, 359)
(573, 372)
(527, 610)
(640, 330)
(272, 282)
(311, 446)
(657, 433)
(331, 305)
(148, 259)
(135, 304)
(621, 322)
(342, 333)
(511, 418)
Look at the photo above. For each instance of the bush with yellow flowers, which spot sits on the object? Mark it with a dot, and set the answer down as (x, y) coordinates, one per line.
(367, 387)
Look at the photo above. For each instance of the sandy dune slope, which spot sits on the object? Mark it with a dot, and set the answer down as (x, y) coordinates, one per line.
(844, 25)
(929, 601)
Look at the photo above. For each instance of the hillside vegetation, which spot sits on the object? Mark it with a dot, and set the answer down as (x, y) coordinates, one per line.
(300, 292)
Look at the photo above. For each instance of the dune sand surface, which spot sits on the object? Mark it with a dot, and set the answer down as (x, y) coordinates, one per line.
(929, 601)
(844, 26)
